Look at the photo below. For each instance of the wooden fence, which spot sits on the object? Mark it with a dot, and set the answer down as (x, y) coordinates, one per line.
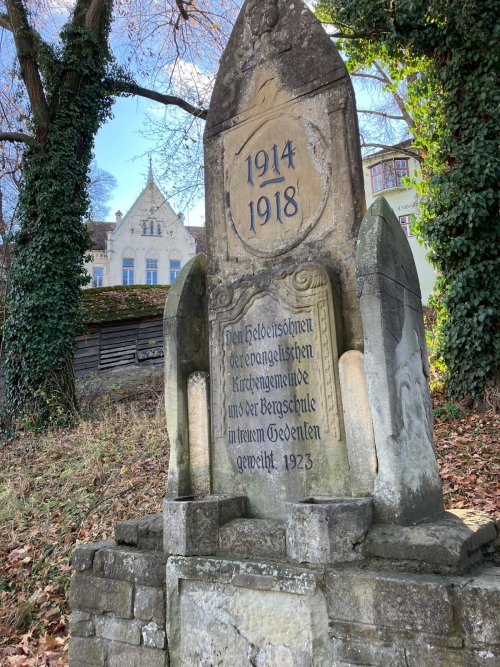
(110, 345)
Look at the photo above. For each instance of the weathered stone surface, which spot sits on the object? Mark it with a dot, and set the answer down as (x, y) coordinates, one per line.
(352, 652)
(144, 533)
(221, 625)
(185, 345)
(191, 527)
(407, 487)
(149, 604)
(449, 539)
(479, 609)
(230, 613)
(153, 636)
(122, 655)
(232, 507)
(86, 651)
(89, 593)
(358, 423)
(118, 629)
(199, 433)
(263, 575)
(420, 603)
(326, 530)
(83, 556)
(191, 524)
(142, 567)
(81, 624)
(253, 538)
(278, 426)
(435, 656)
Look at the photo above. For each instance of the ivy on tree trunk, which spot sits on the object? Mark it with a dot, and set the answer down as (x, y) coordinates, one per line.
(44, 312)
(455, 103)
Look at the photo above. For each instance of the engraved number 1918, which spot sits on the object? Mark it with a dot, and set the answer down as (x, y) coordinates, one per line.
(264, 207)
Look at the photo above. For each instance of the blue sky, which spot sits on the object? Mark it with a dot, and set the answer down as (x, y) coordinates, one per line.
(121, 149)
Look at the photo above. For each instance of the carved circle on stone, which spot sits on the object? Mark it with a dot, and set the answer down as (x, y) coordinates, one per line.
(278, 184)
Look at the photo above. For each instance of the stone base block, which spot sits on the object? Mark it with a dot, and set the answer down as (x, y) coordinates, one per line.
(253, 538)
(450, 543)
(229, 613)
(327, 530)
(145, 532)
(191, 523)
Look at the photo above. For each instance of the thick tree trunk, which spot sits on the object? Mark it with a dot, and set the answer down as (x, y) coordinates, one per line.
(47, 274)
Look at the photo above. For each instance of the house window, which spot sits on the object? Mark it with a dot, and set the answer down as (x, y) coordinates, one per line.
(151, 228)
(405, 222)
(144, 229)
(128, 271)
(388, 174)
(158, 229)
(175, 268)
(97, 277)
(152, 272)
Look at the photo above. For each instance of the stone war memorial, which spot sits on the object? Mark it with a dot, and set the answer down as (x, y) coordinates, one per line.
(303, 523)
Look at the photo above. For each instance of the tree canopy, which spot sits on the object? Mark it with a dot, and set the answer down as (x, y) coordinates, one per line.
(454, 45)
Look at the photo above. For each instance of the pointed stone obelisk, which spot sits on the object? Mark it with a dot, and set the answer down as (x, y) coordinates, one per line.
(284, 201)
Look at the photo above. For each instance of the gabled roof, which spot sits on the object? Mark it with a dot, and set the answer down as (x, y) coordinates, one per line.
(405, 145)
(200, 238)
(99, 231)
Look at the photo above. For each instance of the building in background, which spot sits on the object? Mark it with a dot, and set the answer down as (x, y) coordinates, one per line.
(147, 246)
(383, 174)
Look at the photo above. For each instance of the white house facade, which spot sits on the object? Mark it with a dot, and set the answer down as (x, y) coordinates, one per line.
(147, 246)
(383, 174)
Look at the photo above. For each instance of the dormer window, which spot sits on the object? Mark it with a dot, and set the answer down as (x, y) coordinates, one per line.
(158, 230)
(144, 229)
(151, 228)
(388, 174)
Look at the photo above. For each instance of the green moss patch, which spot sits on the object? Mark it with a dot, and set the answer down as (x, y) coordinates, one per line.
(108, 304)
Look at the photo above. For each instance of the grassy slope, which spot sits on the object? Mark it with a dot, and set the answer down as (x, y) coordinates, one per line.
(64, 488)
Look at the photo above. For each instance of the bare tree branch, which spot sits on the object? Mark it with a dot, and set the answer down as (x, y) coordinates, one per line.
(182, 9)
(397, 97)
(381, 113)
(125, 87)
(25, 47)
(368, 76)
(18, 137)
(394, 149)
(4, 22)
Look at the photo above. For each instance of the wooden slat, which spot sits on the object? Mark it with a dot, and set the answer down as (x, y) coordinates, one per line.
(117, 363)
(93, 363)
(146, 333)
(106, 352)
(126, 326)
(88, 352)
(151, 323)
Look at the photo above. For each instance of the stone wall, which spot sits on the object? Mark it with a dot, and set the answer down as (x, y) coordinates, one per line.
(128, 598)
(117, 599)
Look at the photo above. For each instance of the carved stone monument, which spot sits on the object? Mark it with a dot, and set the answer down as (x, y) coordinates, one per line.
(284, 204)
(303, 523)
